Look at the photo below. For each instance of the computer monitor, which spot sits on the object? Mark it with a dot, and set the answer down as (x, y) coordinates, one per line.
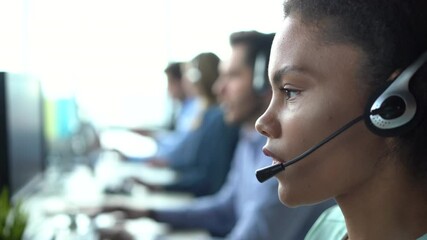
(61, 122)
(22, 142)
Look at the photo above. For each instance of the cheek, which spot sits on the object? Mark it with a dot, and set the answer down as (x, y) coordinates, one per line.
(243, 98)
(331, 169)
(343, 164)
(302, 130)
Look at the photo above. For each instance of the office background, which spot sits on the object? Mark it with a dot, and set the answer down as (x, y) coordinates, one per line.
(110, 55)
(100, 61)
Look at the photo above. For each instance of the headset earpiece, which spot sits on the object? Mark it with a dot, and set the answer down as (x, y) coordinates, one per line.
(259, 82)
(392, 110)
(193, 73)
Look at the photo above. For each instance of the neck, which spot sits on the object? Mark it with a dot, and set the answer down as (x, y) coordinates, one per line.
(388, 206)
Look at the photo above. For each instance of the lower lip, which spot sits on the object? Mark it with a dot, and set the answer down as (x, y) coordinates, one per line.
(276, 162)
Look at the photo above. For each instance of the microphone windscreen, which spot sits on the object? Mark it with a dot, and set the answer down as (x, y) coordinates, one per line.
(265, 173)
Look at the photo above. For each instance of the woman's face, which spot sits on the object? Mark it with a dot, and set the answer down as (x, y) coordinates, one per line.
(316, 90)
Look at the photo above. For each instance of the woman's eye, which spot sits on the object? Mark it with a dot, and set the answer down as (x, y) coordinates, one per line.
(290, 93)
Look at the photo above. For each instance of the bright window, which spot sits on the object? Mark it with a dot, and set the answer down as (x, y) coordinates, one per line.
(111, 54)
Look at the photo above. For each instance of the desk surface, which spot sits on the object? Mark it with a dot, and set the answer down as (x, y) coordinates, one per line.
(54, 210)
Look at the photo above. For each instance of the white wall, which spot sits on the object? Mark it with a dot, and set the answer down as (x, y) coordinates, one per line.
(111, 53)
(13, 40)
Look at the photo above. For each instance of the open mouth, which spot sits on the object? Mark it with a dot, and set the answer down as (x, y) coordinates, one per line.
(276, 162)
(271, 155)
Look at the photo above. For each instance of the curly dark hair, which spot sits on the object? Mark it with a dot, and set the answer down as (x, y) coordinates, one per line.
(392, 34)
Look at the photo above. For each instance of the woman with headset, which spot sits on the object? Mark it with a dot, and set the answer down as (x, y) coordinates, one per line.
(349, 80)
(203, 158)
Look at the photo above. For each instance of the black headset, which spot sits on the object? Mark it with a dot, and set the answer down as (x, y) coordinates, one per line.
(393, 109)
(259, 80)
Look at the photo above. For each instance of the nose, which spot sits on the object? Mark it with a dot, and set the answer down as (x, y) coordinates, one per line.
(268, 125)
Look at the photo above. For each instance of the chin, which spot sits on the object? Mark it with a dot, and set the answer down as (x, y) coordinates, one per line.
(290, 199)
(284, 197)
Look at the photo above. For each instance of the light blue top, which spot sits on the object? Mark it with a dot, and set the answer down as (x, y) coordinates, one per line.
(203, 159)
(168, 141)
(184, 124)
(331, 226)
(189, 111)
(244, 208)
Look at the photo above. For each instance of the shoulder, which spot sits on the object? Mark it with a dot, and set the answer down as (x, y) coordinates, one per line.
(330, 225)
(214, 118)
(213, 112)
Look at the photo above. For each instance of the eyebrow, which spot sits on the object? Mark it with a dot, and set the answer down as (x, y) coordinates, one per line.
(286, 70)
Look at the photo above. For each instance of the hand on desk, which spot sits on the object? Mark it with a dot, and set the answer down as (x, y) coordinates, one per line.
(151, 187)
(158, 163)
(116, 229)
(126, 186)
(115, 233)
(123, 211)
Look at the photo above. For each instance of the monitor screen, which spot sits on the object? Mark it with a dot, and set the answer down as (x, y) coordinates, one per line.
(22, 139)
(61, 121)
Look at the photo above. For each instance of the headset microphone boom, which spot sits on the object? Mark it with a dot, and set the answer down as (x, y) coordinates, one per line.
(390, 112)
